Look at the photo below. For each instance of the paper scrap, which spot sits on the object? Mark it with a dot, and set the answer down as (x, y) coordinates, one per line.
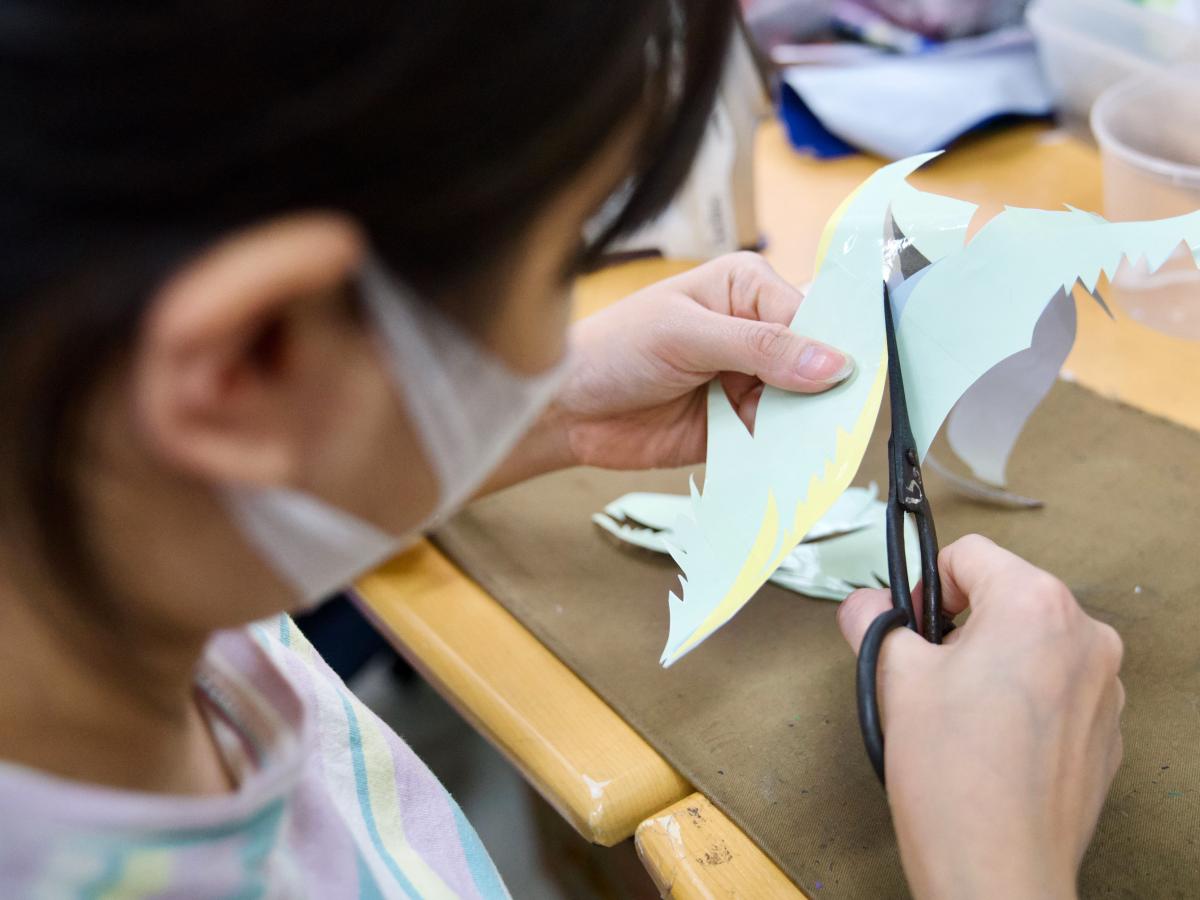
(844, 551)
(978, 490)
(973, 306)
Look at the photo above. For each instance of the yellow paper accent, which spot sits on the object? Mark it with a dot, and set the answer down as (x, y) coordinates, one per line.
(822, 492)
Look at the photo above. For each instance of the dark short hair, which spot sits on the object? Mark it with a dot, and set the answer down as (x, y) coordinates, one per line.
(133, 134)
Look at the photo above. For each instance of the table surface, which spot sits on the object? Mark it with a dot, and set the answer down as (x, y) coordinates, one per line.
(588, 763)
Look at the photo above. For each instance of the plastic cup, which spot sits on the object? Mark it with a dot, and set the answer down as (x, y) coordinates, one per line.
(1148, 128)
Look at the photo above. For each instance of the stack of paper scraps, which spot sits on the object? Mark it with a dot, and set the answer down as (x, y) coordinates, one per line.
(844, 551)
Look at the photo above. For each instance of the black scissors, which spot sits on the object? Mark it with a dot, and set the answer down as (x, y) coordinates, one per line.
(906, 495)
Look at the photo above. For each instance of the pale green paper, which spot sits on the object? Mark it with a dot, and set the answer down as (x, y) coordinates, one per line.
(843, 551)
(980, 304)
(972, 307)
(796, 436)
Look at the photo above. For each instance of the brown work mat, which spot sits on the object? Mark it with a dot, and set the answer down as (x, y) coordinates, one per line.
(761, 717)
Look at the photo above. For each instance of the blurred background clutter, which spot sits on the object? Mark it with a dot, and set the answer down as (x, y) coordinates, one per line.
(898, 77)
(895, 77)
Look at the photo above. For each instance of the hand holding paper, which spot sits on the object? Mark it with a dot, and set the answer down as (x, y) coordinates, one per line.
(636, 393)
(634, 397)
(961, 308)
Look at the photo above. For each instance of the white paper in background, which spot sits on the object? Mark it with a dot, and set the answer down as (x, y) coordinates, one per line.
(899, 107)
(984, 425)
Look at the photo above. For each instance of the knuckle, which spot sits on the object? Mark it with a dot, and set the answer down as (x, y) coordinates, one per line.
(850, 608)
(747, 261)
(970, 544)
(748, 274)
(1112, 648)
(769, 340)
(1050, 593)
(1051, 589)
(1042, 596)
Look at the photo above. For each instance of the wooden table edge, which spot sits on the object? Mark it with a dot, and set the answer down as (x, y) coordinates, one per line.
(604, 788)
(693, 851)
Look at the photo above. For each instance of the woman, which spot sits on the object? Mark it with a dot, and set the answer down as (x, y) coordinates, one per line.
(281, 290)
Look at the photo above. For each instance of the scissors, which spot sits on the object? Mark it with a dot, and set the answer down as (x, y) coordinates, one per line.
(906, 495)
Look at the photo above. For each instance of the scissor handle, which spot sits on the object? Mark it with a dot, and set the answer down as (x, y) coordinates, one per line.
(902, 613)
(868, 697)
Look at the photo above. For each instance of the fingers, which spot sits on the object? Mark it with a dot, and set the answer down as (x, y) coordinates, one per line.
(860, 609)
(974, 572)
(743, 285)
(953, 602)
(973, 564)
(1112, 648)
(712, 342)
(737, 320)
(960, 565)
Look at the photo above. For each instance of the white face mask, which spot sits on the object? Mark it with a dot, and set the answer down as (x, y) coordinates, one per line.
(468, 408)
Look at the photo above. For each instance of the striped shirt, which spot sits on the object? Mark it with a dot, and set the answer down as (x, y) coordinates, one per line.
(329, 803)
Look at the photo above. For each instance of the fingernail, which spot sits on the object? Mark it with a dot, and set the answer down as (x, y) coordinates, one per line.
(821, 363)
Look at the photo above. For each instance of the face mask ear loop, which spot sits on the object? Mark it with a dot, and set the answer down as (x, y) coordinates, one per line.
(468, 409)
(315, 547)
(411, 346)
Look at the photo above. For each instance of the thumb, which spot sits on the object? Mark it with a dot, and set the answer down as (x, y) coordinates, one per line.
(769, 351)
(858, 611)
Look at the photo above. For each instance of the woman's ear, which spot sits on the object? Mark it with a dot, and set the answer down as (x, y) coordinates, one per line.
(220, 372)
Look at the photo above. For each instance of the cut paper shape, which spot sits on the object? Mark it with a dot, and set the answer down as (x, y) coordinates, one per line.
(979, 490)
(985, 423)
(973, 306)
(844, 551)
(980, 304)
(1167, 300)
(847, 562)
(762, 493)
(658, 513)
